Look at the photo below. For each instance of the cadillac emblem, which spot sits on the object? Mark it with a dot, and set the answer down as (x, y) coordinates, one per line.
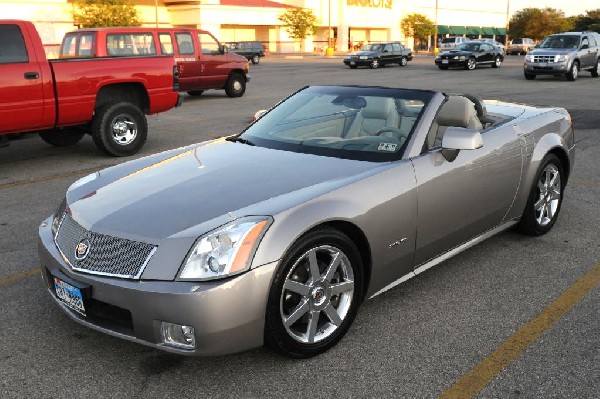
(82, 249)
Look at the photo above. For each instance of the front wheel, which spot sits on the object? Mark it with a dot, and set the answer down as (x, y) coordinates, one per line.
(596, 69)
(573, 72)
(529, 76)
(471, 64)
(255, 59)
(497, 62)
(64, 137)
(403, 61)
(442, 67)
(236, 85)
(545, 198)
(374, 64)
(119, 129)
(315, 294)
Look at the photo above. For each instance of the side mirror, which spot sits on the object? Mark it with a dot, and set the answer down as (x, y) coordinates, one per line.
(385, 51)
(458, 138)
(481, 50)
(585, 46)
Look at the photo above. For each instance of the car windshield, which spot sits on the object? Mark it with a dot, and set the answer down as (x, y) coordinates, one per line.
(562, 41)
(372, 47)
(364, 123)
(517, 41)
(468, 47)
(448, 40)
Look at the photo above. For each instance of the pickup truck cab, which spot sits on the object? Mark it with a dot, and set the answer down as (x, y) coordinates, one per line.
(203, 62)
(106, 97)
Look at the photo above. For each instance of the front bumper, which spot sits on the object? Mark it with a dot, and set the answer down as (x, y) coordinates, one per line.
(356, 62)
(451, 62)
(227, 315)
(547, 68)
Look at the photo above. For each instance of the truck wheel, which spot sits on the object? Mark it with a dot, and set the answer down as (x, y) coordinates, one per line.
(255, 59)
(62, 137)
(119, 129)
(236, 85)
(195, 93)
(574, 72)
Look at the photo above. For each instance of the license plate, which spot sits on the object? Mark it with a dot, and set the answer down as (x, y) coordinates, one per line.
(444, 61)
(69, 295)
(352, 63)
(543, 64)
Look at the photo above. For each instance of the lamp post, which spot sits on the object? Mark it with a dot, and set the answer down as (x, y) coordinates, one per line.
(156, 12)
(329, 29)
(507, 20)
(435, 35)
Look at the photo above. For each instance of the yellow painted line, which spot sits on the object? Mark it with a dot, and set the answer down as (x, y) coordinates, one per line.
(479, 376)
(19, 276)
(585, 183)
(50, 178)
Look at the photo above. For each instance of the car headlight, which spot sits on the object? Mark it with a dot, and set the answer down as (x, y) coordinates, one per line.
(529, 58)
(561, 58)
(363, 57)
(225, 251)
(462, 57)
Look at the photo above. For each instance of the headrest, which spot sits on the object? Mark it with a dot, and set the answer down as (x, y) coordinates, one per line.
(456, 111)
(378, 108)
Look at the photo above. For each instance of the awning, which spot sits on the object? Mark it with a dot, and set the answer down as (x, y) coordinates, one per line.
(458, 30)
(501, 31)
(489, 31)
(443, 30)
(474, 30)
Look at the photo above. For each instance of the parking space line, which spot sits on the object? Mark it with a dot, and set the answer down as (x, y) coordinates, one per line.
(481, 375)
(50, 178)
(585, 183)
(18, 276)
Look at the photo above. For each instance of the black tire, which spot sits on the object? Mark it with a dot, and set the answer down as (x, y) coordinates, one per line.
(374, 64)
(497, 62)
(529, 76)
(573, 73)
(596, 70)
(63, 137)
(533, 221)
(255, 59)
(236, 85)
(119, 129)
(352, 66)
(295, 268)
(442, 67)
(471, 64)
(403, 61)
(195, 93)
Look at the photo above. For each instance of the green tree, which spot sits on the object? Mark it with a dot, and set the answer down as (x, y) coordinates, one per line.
(537, 23)
(417, 26)
(99, 13)
(299, 23)
(588, 21)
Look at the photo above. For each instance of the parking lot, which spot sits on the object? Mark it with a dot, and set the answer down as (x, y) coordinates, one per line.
(497, 304)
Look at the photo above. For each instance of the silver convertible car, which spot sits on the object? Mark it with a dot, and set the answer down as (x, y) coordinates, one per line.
(276, 235)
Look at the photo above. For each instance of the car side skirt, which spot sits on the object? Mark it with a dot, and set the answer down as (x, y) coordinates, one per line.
(447, 255)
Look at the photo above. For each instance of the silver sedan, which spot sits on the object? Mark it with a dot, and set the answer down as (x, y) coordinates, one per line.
(276, 235)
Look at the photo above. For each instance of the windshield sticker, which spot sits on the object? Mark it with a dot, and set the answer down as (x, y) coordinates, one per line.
(387, 147)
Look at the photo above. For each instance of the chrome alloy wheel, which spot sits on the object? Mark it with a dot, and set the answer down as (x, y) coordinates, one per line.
(548, 199)
(498, 62)
(124, 129)
(317, 294)
(471, 64)
(575, 71)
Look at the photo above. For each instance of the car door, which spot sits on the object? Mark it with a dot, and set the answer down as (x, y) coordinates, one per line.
(387, 54)
(588, 57)
(213, 62)
(398, 53)
(21, 83)
(485, 54)
(461, 199)
(188, 62)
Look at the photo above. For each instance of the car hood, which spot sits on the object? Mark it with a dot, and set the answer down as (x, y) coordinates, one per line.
(550, 51)
(368, 53)
(156, 197)
(452, 53)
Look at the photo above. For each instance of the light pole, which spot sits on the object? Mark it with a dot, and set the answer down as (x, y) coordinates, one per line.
(507, 20)
(156, 12)
(329, 29)
(435, 35)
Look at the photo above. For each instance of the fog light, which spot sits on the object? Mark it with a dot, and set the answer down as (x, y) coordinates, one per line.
(178, 336)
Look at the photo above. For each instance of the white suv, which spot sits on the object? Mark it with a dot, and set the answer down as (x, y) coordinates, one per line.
(520, 46)
(448, 43)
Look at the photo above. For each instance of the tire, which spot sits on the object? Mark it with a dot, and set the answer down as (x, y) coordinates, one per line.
(374, 64)
(497, 62)
(545, 198)
(573, 73)
(403, 61)
(309, 312)
(471, 64)
(195, 93)
(62, 137)
(596, 69)
(529, 76)
(236, 85)
(352, 66)
(255, 59)
(119, 129)
(442, 67)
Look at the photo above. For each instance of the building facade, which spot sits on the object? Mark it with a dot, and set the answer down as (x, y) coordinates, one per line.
(342, 23)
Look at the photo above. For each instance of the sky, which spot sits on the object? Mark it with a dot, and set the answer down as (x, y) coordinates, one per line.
(570, 7)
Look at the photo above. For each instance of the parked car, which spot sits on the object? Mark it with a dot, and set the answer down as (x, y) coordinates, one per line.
(564, 54)
(202, 61)
(520, 45)
(492, 42)
(252, 50)
(470, 55)
(375, 55)
(448, 43)
(63, 100)
(372, 186)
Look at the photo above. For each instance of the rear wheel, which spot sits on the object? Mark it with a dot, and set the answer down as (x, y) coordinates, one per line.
(573, 73)
(255, 59)
(403, 61)
(119, 129)
(545, 198)
(471, 64)
(315, 294)
(63, 137)
(195, 93)
(497, 62)
(529, 76)
(596, 69)
(236, 85)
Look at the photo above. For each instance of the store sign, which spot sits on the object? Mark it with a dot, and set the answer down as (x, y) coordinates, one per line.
(370, 3)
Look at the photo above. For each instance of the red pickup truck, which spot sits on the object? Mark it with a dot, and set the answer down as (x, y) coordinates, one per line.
(107, 97)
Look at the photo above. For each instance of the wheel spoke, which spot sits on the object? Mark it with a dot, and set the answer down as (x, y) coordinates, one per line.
(315, 273)
(554, 195)
(300, 311)
(297, 287)
(335, 262)
(553, 180)
(333, 315)
(541, 186)
(539, 203)
(313, 321)
(345, 286)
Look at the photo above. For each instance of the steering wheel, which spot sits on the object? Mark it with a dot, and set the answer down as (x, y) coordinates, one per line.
(396, 132)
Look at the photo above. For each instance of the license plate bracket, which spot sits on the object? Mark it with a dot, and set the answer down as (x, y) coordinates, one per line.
(71, 293)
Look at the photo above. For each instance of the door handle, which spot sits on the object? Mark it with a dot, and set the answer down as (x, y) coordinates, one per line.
(31, 75)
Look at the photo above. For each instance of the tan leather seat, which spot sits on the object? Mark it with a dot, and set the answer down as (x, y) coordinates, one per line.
(379, 112)
(457, 111)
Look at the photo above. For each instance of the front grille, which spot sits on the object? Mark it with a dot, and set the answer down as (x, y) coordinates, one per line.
(108, 256)
(543, 58)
